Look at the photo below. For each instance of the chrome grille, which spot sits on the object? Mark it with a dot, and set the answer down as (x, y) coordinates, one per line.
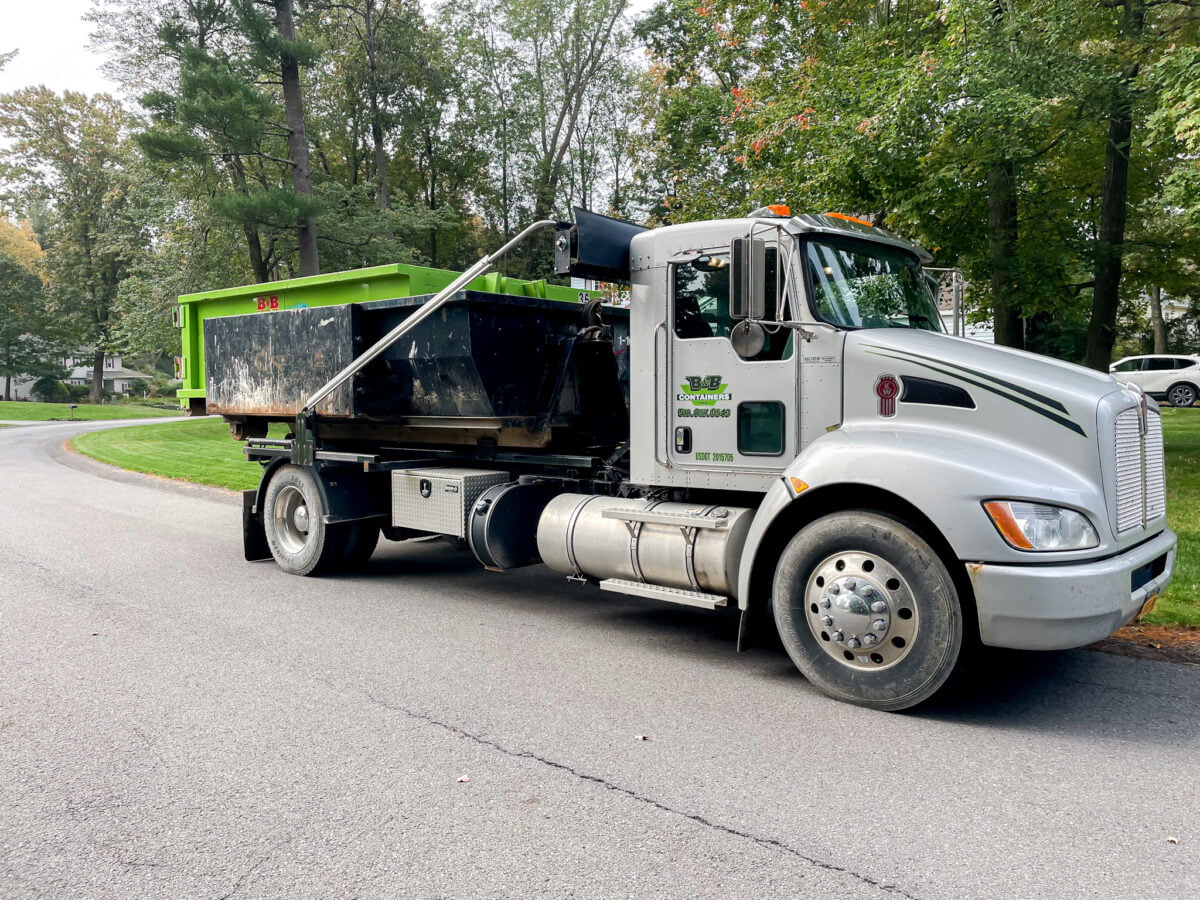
(1156, 479)
(1128, 441)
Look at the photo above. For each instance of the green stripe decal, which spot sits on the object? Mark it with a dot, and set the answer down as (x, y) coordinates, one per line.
(1053, 417)
(1032, 395)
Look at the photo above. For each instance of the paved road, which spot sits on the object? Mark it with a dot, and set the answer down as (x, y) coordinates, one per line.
(175, 722)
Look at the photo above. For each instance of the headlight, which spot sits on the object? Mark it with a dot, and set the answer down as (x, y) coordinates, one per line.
(1039, 527)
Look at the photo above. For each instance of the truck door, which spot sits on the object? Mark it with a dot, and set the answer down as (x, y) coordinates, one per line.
(727, 410)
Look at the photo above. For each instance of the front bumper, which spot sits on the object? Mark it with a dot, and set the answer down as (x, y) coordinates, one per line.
(1053, 607)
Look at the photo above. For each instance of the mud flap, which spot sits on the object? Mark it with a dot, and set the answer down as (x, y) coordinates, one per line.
(254, 534)
(745, 639)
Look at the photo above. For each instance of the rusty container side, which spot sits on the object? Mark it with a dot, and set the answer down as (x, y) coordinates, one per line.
(268, 365)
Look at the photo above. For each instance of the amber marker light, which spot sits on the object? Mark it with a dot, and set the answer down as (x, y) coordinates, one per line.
(847, 218)
(1006, 524)
(797, 485)
(780, 209)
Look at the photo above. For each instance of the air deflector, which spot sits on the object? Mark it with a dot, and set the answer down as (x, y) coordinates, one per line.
(595, 246)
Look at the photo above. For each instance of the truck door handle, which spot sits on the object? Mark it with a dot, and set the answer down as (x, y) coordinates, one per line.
(665, 428)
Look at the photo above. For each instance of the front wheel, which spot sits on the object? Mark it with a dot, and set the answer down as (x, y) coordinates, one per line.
(1181, 395)
(868, 611)
(294, 520)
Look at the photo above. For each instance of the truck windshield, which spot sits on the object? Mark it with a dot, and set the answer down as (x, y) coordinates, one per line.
(860, 284)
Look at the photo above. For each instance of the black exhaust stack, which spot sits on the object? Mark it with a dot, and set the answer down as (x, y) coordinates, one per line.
(594, 247)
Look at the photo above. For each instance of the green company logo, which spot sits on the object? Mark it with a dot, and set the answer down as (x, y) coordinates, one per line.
(704, 390)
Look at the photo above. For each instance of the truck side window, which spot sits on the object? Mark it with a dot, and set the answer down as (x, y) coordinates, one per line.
(760, 428)
(702, 297)
(701, 290)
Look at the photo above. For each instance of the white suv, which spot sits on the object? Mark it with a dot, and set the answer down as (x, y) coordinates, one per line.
(1177, 378)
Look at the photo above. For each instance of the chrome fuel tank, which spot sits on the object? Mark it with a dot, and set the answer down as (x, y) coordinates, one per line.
(694, 547)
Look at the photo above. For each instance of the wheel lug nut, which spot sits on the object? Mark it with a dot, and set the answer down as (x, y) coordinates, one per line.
(825, 603)
(826, 621)
(834, 588)
(853, 643)
(879, 625)
(870, 640)
(851, 584)
(836, 637)
(878, 606)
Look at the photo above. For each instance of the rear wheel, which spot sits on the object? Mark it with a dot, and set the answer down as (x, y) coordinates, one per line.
(294, 519)
(868, 611)
(1181, 395)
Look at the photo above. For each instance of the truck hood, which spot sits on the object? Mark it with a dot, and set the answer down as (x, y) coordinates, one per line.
(994, 402)
(1030, 385)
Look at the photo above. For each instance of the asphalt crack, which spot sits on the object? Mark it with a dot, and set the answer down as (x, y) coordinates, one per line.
(267, 857)
(769, 843)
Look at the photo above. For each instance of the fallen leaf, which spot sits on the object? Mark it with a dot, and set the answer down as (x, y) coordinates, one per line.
(463, 779)
(1172, 840)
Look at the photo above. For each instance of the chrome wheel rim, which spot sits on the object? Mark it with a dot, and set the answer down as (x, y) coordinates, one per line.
(1182, 396)
(291, 519)
(861, 611)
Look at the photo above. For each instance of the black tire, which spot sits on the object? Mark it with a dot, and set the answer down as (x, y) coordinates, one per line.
(864, 577)
(294, 519)
(1182, 394)
(361, 541)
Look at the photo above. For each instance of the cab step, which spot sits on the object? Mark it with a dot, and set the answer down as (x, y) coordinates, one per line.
(658, 592)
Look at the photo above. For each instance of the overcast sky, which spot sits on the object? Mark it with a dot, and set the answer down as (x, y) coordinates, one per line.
(52, 39)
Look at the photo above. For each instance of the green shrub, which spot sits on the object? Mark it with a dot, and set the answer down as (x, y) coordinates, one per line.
(50, 390)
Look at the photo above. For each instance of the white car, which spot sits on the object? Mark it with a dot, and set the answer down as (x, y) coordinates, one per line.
(1176, 378)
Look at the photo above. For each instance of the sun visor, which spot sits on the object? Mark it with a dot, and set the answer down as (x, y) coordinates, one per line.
(594, 247)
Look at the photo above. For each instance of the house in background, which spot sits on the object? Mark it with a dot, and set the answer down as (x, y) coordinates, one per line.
(116, 377)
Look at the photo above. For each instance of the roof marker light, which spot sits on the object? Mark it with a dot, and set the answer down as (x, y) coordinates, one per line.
(780, 209)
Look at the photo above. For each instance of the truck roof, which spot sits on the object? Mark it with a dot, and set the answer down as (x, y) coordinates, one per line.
(671, 239)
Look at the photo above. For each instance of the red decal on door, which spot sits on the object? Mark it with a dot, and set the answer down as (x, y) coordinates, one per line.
(886, 389)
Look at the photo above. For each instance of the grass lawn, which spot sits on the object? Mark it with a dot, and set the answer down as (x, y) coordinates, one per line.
(202, 451)
(1180, 605)
(85, 412)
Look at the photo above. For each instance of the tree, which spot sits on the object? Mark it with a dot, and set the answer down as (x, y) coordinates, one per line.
(688, 166)
(75, 153)
(209, 73)
(276, 46)
(27, 347)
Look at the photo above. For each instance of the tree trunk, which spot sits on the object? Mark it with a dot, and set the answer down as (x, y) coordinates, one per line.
(96, 394)
(1157, 325)
(381, 178)
(258, 265)
(1002, 254)
(8, 387)
(1101, 330)
(432, 198)
(1114, 202)
(293, 107)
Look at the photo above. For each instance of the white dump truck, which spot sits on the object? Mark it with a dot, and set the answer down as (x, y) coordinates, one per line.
(776, 421)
